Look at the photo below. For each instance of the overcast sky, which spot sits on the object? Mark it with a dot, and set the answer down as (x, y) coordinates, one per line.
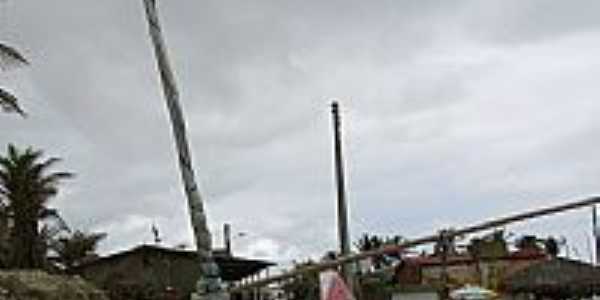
(453, 112)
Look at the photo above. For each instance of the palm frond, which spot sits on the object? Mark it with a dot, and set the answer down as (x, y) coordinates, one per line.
(4, 176)
(40, 168)
(10, 57)
(74, 248)
(49, 162)
(9, 103)
(29, 157)
(13, 153)
(52, 214)
(54, 178)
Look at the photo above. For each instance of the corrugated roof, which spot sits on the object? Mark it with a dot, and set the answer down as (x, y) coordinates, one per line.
(467, 258)
(232, 268)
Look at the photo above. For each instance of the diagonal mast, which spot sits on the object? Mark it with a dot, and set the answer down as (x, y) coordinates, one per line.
(209, 284)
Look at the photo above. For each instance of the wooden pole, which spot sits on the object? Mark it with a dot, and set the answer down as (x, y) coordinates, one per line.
(209, 284)
(342, 206)
(227, 238)
(596, 232)
(446, 244)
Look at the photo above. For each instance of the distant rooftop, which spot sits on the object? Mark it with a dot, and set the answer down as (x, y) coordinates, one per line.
(232, 268)
(431, 260)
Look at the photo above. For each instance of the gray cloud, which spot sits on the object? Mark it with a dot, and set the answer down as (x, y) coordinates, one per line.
(452, 113)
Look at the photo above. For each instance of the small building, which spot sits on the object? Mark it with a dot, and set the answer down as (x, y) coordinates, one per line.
(558, 278)
(149, 271)
(465, 269)
(518, 275)
(487, 262)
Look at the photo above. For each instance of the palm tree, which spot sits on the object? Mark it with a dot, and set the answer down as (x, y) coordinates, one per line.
(26, 186)
(75, 248)
(10, 57)
(369, 242)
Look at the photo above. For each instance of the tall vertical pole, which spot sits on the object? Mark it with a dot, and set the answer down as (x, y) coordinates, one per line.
(445, 243)
(227, 237)
(596, 232)
(342, 207)
(209, 284)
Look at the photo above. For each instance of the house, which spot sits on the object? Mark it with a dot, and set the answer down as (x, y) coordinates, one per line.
(529, 272)
(485, 262)
(148, 271)
(464, 268)
(420, 277)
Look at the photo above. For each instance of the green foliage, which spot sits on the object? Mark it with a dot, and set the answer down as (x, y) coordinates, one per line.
(377, 286)
(26, 186)
(548, 245)
(551, 246)
(493, 245)
(75, 248)
(528, 242)
(10, 57)
(372, 242)
(304, 287)
(9, 103)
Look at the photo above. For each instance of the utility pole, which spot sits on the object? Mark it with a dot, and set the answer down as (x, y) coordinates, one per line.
(208, 286)
(446, 245)
(227, 237)
(342, 206)
(596, 232)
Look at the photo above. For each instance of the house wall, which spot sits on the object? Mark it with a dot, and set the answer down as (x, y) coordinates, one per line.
(144, 275)
(492, 272)
(117, 277)
(415, 296)
(463, 273)
(179, 272)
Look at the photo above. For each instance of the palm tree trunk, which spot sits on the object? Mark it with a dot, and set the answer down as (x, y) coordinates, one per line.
(209, 284)
(25, 238)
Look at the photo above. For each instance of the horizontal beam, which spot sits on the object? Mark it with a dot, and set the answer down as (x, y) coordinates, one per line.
(528, 215)
(420, 241)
